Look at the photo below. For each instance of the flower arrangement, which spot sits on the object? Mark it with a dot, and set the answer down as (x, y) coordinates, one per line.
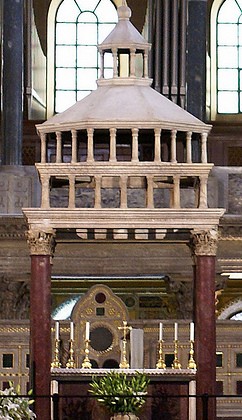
(119, 393)
(14, 407)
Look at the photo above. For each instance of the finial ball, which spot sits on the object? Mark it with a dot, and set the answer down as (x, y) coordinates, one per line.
(124, 12)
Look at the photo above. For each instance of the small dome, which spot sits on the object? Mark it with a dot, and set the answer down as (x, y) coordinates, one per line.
(124, 34)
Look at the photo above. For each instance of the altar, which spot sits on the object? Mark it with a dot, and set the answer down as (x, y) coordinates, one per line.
(169, 394)
(93, 344)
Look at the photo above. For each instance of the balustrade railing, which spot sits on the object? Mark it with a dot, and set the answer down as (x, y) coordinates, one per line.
(171, 185)
(157, 140)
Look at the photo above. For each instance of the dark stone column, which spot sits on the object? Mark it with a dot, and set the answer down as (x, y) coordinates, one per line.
(41, 248)
(196, 58)
(12, 82)
(204, 246)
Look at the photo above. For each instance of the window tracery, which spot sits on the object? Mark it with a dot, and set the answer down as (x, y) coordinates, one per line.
(226, 58)
(75, 28)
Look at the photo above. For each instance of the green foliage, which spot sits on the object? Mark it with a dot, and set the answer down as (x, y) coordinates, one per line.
(13, 407)
(119, 393)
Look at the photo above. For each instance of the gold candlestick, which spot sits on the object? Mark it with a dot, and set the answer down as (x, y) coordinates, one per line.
(191, 363)
(71, 361)
(161, 363)
(124, 363)
(86, 364)
(176, 364)
(56, 362)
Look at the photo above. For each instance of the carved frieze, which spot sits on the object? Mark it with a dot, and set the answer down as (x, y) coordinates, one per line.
(14, 299)
(231, 231)
(183, 294)
(41, 242)
(12, 227)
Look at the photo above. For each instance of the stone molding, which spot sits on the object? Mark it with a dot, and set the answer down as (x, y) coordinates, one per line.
(116, 218)
(189, 374)
(12, 227)
(230, 228)
(204, 242)
(41, 242)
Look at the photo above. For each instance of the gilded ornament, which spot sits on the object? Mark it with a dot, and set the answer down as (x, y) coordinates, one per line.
(41, 242)
(204, 242)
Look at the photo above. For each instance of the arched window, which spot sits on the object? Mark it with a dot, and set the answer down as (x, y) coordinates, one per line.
(237, 316)
(64, 310)
(233, 311)
(226, 58)
(75, 28)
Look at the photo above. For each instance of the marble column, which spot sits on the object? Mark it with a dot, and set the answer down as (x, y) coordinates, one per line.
(41, 245)
(204, 247)
(12, 82)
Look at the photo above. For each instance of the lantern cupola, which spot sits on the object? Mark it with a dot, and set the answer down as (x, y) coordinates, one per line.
(129, 51)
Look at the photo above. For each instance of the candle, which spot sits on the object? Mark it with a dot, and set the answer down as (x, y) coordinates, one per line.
(87, 330)
(161, 332)
(72, 331)
(176, 332)
(192, 331)
(57, 330)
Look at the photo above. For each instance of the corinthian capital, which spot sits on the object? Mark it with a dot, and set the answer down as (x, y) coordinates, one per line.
(204, 242)
(41, 242)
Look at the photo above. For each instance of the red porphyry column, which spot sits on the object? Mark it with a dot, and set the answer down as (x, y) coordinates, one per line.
(41, 244)
(204, 247)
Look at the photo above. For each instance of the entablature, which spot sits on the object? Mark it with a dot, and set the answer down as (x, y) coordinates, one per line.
(123, 218)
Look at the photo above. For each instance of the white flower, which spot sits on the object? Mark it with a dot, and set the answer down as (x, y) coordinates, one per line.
(12, 407)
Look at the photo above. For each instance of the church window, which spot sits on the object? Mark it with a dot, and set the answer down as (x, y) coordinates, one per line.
(7, 360)
(64, 310)
(239, 360)
(219, 359)
(237, 316)
(27, 360)
(239, 387)
(226, 58)
(75, 28)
